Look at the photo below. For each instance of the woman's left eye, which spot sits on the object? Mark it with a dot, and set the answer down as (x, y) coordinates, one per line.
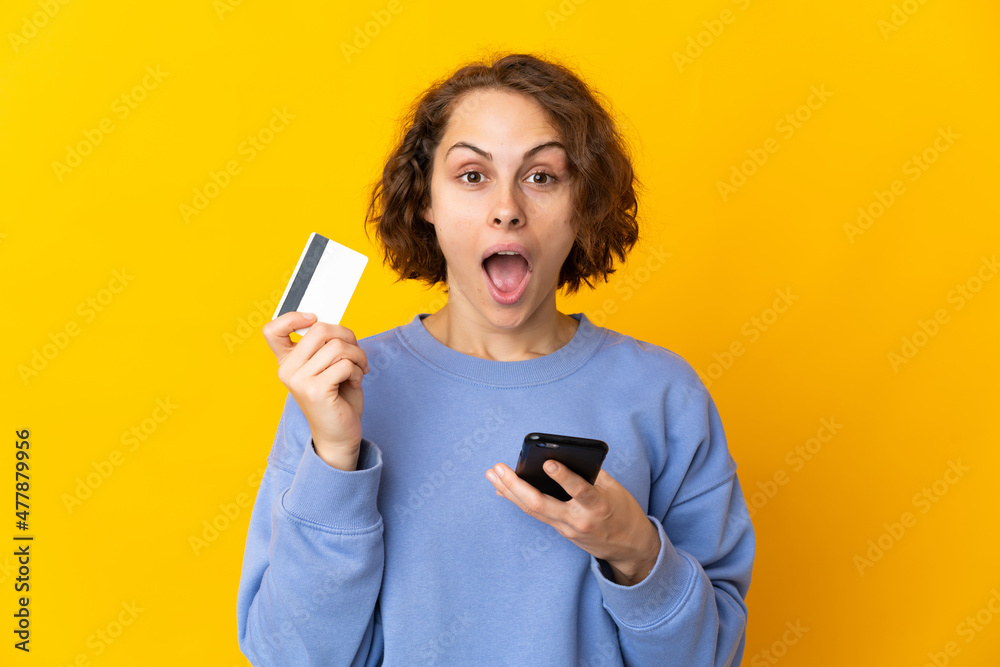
(547, 178)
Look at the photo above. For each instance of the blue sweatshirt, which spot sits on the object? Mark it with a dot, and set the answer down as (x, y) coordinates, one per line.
(413, 558)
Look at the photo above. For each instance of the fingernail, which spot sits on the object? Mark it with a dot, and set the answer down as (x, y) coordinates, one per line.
(490, 476)
(499, 471)
(550, 466)
(308, 316)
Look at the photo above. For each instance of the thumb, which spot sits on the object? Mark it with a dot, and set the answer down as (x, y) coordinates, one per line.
(277, 331)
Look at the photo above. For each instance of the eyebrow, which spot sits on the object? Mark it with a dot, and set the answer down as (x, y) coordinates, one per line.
(489, 156)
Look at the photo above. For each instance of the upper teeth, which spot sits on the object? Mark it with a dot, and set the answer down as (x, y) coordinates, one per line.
(506, 252)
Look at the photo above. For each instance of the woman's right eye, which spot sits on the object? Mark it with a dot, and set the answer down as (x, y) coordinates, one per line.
(478, 177)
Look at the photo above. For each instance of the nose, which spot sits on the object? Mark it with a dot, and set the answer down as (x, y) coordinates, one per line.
(507, 210)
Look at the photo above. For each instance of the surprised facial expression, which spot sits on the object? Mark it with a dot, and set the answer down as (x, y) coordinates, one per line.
(501, 205)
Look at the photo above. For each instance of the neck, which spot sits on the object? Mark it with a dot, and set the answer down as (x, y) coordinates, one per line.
(462, 328)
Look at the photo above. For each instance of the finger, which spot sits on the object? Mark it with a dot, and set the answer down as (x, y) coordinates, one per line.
(333, 351)
(280, 327)
(356, 376)
(276, 332)
(319, 335)
(577, 487)
(531, 501)
(607, 482)
(336, 331)
(342, 372)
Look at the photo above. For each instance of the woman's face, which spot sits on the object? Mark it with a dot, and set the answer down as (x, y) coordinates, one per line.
(501, 203)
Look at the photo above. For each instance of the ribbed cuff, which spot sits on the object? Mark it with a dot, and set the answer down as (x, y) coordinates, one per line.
(340, 500)
(654, 598)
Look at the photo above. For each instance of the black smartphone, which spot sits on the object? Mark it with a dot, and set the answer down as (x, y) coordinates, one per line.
(583, 456)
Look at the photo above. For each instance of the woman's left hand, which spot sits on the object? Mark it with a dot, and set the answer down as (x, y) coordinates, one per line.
(603, 519)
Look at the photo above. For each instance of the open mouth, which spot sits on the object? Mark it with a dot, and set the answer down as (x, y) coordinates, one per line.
(507, 270)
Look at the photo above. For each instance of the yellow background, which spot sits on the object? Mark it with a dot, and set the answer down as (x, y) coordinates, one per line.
(177, 330)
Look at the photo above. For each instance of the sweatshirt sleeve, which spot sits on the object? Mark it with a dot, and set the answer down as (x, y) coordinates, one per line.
(312, 567)
(690, 609)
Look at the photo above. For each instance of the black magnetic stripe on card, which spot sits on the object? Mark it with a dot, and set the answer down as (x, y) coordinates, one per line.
(305, 274)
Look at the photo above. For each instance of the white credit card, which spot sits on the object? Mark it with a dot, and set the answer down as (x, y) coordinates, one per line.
(323, 281)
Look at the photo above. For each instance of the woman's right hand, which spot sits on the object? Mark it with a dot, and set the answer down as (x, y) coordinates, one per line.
(323, 372)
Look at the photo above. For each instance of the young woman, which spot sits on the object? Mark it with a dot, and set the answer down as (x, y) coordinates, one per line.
(378, 536)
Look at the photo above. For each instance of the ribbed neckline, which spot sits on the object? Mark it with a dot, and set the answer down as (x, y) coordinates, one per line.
(567, 359)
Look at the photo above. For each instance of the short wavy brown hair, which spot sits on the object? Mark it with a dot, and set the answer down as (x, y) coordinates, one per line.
(600, 166)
